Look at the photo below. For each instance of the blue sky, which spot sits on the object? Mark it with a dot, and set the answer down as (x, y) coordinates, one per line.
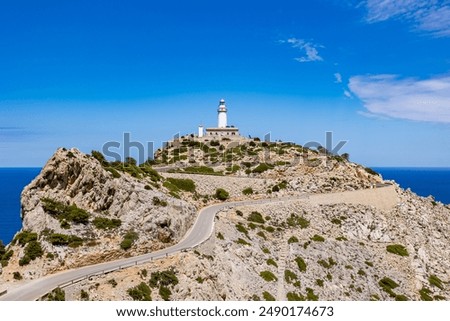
(82, 73)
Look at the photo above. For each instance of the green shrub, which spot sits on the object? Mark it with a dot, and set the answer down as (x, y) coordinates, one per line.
(401, 297)
(336, 221)
(437, 282)
(387, 285)
(261, 168)
(361, 272)
(17, 276)
(272, 262)
(268, 276)
(221, 194)
(112, 282)
(241, 229)
(25, 237)
(220, 236)
(425, 295)
(290, 276)
(200, 280)
(301, 264)
(327, 264)
(201, 169)
(275, 189)
(262, 235)
(24, 261)
(397, 249)
(165, 293)
(4, 259)
(63, 240)
(371, 171)
(113, 171)
(84, 296)
(104, 223)
(368, 263)
(247, 191)
(293, 239)
(128, 240)
(70, 213)
(268, 297)
(341, 238)
(318, 238)
(270, 229)
(310, 296)
(256, 217)
(266, 250)
(99, 156)
(183, 184)
(57, 295)
(319, 282)
(33, 250)
(292, 296)
(294, 220)
(140, 292)
(163, 278)
(242, 242)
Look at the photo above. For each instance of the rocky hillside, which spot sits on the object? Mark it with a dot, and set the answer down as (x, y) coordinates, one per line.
(79, 212)
(301, 250)
(345, 234)
(307, 170)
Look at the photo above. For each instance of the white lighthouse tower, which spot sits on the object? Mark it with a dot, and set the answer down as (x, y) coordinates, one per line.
(222, 114)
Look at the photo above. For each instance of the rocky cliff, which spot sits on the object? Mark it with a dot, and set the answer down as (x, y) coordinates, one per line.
(345, 234)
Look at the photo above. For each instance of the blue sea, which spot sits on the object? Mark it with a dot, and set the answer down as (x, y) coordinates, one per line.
(423, 181)
(12, 182)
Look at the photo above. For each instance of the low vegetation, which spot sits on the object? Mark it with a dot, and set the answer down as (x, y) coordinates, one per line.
(128, 240)
(388, 285)
(32, 251)
(295, 220)
(181, 184)
(268, 276)
(247, 191)
(268, 297)
(301, 264)
(221, 194)
(62, 212)
(64, 240)
(57, 295)
(397, 249)
(104, 223)
(141, 292)
(256, 217)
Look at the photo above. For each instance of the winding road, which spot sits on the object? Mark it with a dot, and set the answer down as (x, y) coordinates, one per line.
(383, 197)
(200, 232)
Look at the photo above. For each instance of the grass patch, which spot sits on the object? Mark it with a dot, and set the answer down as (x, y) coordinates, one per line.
(425, 295)
(241, 228)
(327, 264)
(261, 168)
(293, 239)
(262, 235)
(290, 276)
(292, 296)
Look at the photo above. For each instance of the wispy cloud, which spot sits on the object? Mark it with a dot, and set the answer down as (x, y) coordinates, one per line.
(404, 98)
(308, 49)
(431, 16)
(338, 78)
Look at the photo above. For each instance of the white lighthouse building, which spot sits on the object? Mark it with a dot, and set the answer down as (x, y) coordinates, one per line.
(222, 129)
(222, 114)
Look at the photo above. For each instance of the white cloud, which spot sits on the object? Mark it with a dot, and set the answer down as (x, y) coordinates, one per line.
(338, 77)
(404, 98)
(347, 94)
(432, 16)
(307, 48)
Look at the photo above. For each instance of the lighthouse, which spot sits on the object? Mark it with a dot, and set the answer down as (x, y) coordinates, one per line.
(222, 129)
(222, 114)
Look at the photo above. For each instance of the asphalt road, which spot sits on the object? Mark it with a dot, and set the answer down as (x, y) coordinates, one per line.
(199, 233)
